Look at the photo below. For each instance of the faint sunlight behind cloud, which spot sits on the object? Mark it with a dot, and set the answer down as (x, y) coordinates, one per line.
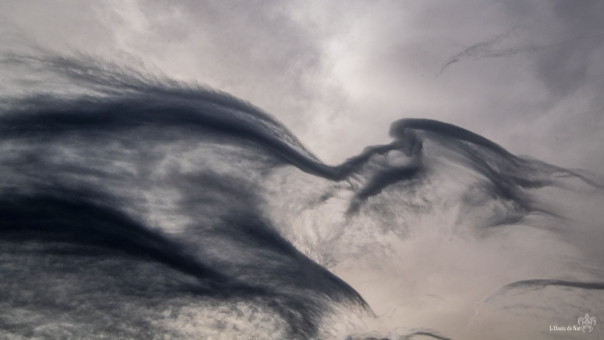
(516, 70)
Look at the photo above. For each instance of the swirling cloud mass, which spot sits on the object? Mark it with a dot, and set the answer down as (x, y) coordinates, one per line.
(133, 205)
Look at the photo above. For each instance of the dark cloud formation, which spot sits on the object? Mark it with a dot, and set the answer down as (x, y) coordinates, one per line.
(62, 191)
(425, 333)
(358, 66)
(154, 207)
(135, 187)
(556, 283)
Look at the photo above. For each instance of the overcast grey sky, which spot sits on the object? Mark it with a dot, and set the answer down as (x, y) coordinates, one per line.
(527, 74)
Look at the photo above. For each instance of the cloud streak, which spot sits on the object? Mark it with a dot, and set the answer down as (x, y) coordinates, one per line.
(184, 211)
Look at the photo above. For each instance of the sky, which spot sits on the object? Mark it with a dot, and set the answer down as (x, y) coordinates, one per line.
(526, 74)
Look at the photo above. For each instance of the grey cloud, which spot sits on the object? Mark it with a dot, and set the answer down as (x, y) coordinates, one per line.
(524, 74)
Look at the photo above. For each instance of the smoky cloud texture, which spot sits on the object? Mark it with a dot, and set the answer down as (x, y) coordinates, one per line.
(52, 196)
(137, 203)
(528, 67)
(154, 189)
